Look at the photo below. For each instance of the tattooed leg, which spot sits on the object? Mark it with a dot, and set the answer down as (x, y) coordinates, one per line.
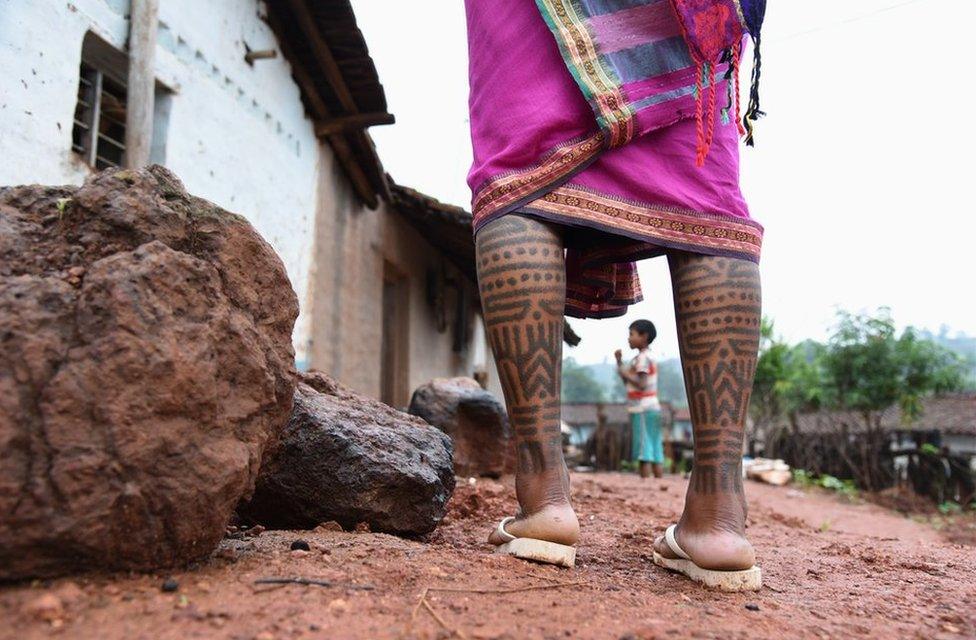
(718, 308)
(521, 275)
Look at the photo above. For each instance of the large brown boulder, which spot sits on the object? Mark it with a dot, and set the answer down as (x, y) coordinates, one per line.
(475, 420)
(145, 361)
(352, 459)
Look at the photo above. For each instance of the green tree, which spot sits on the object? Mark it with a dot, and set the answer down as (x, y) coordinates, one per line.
(671, 382)
(579, 385)
(869, 368)
(788, 379)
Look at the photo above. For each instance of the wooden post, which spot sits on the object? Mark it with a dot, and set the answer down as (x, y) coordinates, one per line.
(141, 89)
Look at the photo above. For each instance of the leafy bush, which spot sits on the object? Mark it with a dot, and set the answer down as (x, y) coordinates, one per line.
(846, 488)
(950, 507)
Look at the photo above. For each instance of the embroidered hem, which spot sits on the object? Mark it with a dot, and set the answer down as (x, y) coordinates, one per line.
(657, 227)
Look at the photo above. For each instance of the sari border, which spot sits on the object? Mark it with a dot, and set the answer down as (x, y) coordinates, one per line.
(504, 193)
(659, 226)
(581, 313)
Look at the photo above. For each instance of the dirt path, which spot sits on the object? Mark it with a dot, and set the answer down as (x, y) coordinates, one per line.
(833, 570)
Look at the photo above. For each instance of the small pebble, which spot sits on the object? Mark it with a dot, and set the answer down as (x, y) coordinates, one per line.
(170, 585)
(300, 545)
(752, 607)
(46, 607)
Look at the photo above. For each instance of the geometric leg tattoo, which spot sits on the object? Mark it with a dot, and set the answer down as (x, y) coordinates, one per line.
(718, 306)
(522, 280)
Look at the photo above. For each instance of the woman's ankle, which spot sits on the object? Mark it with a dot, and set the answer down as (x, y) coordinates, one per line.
(714, 513)
(536, 492)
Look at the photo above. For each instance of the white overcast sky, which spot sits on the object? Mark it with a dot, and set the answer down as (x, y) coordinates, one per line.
(862, 175)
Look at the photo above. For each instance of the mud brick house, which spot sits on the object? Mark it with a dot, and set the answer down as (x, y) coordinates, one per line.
(939, 441)
(602, 430)
(263, 108)
(947, 421)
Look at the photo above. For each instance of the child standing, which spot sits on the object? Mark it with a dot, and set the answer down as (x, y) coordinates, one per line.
(640, 378)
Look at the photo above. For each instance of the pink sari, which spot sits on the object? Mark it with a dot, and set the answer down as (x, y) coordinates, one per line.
(612, 157)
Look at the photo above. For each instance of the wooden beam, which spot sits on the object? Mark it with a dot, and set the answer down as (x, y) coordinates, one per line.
(377, 165)
(141, 89)
(323, 55)
(360, 181)
(329, 67)
(355, 121)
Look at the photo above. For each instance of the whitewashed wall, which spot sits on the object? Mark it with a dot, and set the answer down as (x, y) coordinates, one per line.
(237, 134)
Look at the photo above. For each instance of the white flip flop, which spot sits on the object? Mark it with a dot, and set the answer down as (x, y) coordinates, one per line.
(535, 550)
(743, 580)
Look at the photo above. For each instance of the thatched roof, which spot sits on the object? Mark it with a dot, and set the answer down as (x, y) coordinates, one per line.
(953, 414)
(585, 413)
(445, 226)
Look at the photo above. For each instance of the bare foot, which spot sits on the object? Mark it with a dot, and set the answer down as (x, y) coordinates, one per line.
(545, 512)
(718, 550)
(712, 532)
(555, 523)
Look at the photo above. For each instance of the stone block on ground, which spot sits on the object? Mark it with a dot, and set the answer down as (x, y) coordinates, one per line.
(475, 420)
(145, 363)
(352, 459)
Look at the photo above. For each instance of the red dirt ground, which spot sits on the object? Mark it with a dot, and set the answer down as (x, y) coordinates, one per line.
(832, 570)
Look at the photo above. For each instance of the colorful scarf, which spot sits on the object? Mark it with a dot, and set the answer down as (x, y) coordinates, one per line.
(634, 86)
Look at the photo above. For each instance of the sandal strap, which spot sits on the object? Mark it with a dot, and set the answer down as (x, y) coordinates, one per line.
(673, 543)
(505, 535)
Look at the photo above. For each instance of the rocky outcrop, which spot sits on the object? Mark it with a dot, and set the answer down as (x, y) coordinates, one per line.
(145, 363)
(352, 459)
(475, 420)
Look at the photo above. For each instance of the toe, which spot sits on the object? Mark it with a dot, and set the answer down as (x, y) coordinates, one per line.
(662, 548)
(496, 538)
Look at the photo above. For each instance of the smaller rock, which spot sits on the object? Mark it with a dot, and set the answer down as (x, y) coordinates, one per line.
(46, 607)
(69, 593)
(362, 527)
(338, 606)
(331, 525)
(300, 545)
(475, 420)
(751, 606)
(349, 458)
(169, 585)
(227, 553)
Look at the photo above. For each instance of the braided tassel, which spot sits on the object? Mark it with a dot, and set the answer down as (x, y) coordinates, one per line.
(712, 99)
(702, 150)
(736, 54)
(753, 112)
